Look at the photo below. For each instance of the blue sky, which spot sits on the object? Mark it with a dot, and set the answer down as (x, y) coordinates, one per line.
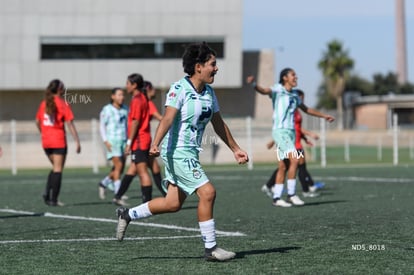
(298, 31)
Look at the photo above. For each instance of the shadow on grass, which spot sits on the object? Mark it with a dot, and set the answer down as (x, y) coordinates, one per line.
(22, 215)
(242, 254)
(323, 202)
(89, 203)
(166, 257)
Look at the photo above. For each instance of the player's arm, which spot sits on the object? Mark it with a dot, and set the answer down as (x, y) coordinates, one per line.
(132, 134)
(316, 113)
(224, 133)
(309, 133)
(270, 144)
(102, 130)
(162, 129)
(157, 116)
(258, 88)
(74, 134)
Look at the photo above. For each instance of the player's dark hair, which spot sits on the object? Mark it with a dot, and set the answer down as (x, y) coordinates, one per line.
(136, 79)
(139, 80)
(300, 92)
(196, 53)
(284, 73)
(113, 91)
(51, 91)
(147, 85)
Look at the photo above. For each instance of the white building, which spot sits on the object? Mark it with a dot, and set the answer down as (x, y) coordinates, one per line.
(95, 44)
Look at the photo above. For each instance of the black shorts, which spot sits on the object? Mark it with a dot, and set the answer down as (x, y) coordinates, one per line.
(138, 156)
(56, 151)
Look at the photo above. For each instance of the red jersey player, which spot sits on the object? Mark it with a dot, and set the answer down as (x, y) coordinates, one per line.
(51, 117)
(139, 140)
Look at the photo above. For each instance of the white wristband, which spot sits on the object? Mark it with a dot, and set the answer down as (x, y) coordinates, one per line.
(128, 142)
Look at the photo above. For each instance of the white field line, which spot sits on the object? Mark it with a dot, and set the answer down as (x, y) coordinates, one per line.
(81, 218)
(364, 179)
(346, 179)
(97, 239)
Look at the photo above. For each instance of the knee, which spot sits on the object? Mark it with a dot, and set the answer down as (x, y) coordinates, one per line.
(282, 168)
(208, 193)
(173, 206)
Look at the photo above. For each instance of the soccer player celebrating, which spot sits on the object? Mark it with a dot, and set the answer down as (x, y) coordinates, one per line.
(191, 103)
(285, 101)
(308, 186)
(51, 116)
(113, 129)
(139, 140)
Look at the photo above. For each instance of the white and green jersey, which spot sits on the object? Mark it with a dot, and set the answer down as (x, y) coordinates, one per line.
(284, 106)
(113, 123)
(194, 112)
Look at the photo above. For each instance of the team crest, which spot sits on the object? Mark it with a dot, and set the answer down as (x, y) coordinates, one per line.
(196, 174)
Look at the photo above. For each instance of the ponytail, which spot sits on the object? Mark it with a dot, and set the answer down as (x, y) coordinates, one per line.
(50, 93)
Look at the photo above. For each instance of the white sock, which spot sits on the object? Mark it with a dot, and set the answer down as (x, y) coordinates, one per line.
(277, 190)
(140, 212)
(208, 232)
(106, 181)
(291, 186)
(117, 185)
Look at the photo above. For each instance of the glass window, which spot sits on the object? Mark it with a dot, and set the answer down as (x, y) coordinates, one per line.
(115, 48)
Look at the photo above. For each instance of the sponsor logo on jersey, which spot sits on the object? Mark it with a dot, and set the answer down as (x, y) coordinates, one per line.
(196, 174)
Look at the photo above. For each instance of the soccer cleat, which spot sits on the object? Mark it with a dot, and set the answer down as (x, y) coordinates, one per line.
(310, 194)
(101, 191)
(218, 254)
(313, 188)
(55, 203)
(295, 200)
(267, 191)
(123, 221)
(281, 203)
(124, 197)
(119, 202)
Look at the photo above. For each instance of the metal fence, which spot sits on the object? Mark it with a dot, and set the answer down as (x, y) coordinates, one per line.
(21, 145)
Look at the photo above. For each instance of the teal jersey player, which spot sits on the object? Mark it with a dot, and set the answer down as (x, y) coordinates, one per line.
(284, 106)
(195, 111)
(113, 128)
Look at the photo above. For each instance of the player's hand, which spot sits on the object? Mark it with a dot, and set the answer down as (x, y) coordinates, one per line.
(329, 118)
(250, 79)
(127, 150)
(241, 156)
(78, 148)
(315, 136)
(108, 146)
(154, 151)
(270, 144)
(309, 143)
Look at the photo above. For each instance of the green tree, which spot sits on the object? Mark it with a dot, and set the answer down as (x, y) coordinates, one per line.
(336, 65)
(325, 99)
(384, 84)
(359, 84)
